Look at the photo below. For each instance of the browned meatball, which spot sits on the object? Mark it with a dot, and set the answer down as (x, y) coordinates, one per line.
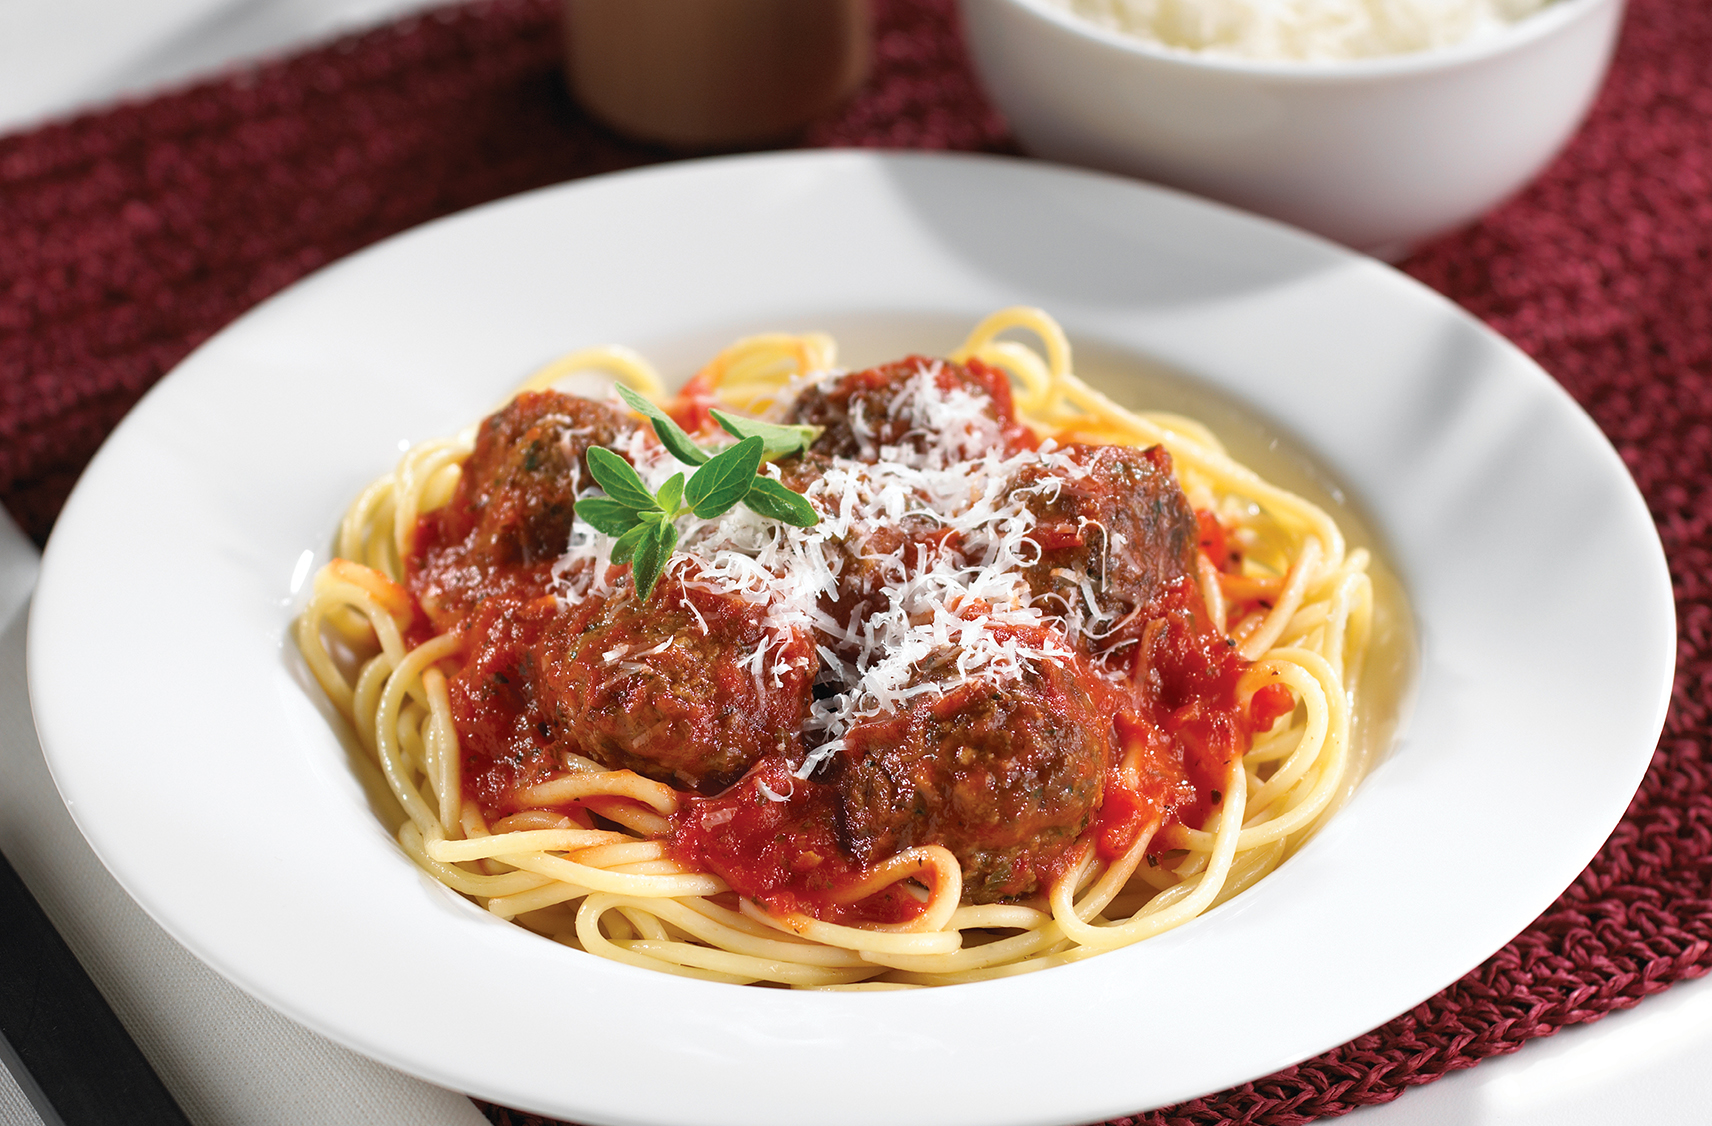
(799, 472)
(868, 558)
(667, 688)
(1119, 522)
(866, 410)
(510, 517)
(1006, 776)
(529, 462)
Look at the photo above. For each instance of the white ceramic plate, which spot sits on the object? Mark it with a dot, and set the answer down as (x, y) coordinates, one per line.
(179, 727)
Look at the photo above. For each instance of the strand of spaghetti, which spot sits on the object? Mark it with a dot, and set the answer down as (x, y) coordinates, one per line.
(315, 654)
(1360, 624)
(936, 862)
(534, 899)
(331, 593)
(605, 783)
(442, 747)
(1250, 865)
(1309, 618)
(1302, 572)
(1309, 744)
(415, 469)
(360, 604)
(1190, 429)
(531, 819)
(1044, 933)
(743, 923)
(626, 851)
(1036, 321)
(1060, 955)
(1351, 590)
(386, 731)
(1211, 592)
(756, 365)
(458, 879)
(647, 868)
(592, 940)
(628, 366)
(365, 700)
(856, 938)
(1248, 588)
(1272, 745)
(356, 532)
(693, 918)
(533, 840)
(1011, 948)
(410, 750)
(644, 922)
(598, 879)
(1357, 632)
(756, 969)
(625, 812)
(384, 603)
(1314, 684)
(1025, 366)
(1007, 916)
(1150, 923)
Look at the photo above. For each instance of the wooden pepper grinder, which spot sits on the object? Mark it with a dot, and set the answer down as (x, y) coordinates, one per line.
(714, 74)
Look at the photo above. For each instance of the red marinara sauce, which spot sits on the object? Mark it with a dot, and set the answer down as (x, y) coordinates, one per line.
(1136, 728)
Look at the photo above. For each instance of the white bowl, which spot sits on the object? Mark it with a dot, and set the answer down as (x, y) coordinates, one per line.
(1376, 153)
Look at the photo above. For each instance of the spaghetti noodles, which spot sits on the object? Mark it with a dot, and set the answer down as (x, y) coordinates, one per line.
(1046, 678)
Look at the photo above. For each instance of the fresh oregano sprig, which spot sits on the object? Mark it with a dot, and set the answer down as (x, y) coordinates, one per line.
(643, 521)
(780, 439)
(671, 435)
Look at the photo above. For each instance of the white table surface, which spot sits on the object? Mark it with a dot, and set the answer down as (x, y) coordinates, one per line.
(58, 57)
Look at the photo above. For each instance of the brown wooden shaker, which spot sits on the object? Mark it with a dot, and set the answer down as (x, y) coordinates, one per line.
(710, 74)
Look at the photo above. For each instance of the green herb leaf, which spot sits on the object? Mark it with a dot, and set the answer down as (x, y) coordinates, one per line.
(619, 479)
(670, 494)
(769, 498)
(724, 480)
(652, 552)
(781, 440)
(607, 515)
(671, 435)
(626, 545)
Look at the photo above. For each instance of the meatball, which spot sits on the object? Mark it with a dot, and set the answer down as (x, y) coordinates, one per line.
(1114, 519)
(905, 407)
(511, 515)
(529, 462)
(872, 555)
(801, 471)
(1007, 775)
(671, 688)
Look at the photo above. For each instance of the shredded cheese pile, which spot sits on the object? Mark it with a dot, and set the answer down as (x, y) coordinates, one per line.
(957, 599)
(1305, 30)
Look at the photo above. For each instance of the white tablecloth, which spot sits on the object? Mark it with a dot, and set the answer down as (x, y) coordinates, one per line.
(229, 1060)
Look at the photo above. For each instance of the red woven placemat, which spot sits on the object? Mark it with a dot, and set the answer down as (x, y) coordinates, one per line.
(127, 237)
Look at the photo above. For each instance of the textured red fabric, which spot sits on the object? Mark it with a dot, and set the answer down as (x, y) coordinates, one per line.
(127, 237)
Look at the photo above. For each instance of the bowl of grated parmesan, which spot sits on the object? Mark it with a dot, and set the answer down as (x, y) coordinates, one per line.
(1378, 123)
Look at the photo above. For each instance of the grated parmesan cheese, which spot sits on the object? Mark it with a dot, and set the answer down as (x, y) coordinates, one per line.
(949, 600)
(1304, 30)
